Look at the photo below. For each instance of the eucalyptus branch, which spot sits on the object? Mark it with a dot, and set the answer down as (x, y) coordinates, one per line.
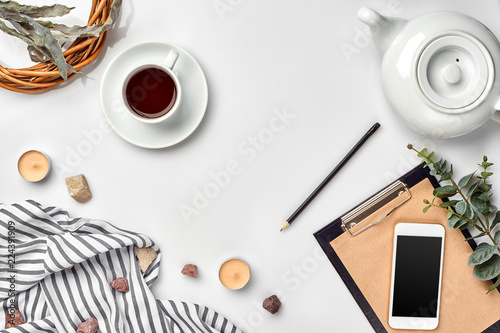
(482, 229)
(439, 168)
(469, 210)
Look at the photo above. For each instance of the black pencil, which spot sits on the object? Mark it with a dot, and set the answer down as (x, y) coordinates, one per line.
(318, 189)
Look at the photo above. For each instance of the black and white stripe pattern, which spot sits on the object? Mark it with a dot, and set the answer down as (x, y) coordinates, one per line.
(53, 298)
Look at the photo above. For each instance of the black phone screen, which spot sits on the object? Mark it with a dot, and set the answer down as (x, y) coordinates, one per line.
(416, 277)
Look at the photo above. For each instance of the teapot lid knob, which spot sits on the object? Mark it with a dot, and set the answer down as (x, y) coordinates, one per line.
(452, 73)
(455, 72)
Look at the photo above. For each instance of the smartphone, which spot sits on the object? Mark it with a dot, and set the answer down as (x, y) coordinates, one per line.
(417, 264)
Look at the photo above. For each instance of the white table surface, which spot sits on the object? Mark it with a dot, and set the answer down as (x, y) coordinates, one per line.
(259, 57)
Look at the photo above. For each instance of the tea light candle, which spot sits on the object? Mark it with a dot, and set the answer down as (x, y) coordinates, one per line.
(34, 165)
(234, 274)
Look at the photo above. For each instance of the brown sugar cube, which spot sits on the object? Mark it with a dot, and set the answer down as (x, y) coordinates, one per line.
(120, 284)
(13, 319)
(146, 256)
(191, 270)
(78, 188)
(88, 326)
(272, 304)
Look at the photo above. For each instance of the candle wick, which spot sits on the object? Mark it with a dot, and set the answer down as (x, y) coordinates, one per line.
(235, 275)
(35, 164)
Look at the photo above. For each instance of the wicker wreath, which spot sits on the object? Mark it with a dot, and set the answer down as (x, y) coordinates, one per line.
(46, 75)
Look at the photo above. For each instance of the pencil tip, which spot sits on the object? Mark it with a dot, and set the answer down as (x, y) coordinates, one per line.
(286, 225)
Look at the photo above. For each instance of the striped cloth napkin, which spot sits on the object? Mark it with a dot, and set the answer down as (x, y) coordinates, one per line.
(46, 241)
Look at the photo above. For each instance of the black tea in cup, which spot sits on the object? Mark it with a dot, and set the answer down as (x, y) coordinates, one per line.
(151, 92)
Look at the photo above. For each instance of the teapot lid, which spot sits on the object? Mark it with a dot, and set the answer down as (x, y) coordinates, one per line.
(455, 72)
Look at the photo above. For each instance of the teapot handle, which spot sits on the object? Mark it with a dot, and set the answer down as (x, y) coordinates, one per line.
(496, 116)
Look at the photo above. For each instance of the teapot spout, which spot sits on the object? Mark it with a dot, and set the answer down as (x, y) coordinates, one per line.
(384, 30)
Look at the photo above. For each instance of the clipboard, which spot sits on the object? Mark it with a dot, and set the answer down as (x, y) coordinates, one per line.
(359, 246)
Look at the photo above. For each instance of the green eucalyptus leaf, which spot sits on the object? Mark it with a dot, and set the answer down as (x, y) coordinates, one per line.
(486, 174)
(427, 208)
(430, 158)
(486, 164)
(469, 212)
(484, 197)
(494, 286)
(442, 168)
(445, 191)
(462, 224)
(465, 180)
(475, 201)
(484, 187)
(449, 203)
(497, 237)
(452, 221)
(35, 11)
(449, 214)
(473, 188)
(447, 175)
(483, 210)
(423, 153)
(489, 269)
(481, 254)
(461, 207)
(492, 209)
(439, 163)
(433, 172)
(450, 172)
(495, 220)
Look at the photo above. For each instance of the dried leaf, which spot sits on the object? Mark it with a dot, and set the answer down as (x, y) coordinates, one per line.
(36, 55)
(61, 31)
(14, 33)
(41, 37)
(35, 11)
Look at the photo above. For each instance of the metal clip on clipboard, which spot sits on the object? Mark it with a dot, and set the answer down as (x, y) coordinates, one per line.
(373, 204)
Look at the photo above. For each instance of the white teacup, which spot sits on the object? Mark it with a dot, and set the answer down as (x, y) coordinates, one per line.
(152, 93)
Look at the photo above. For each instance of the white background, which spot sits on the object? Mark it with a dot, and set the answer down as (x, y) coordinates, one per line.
(258, 56)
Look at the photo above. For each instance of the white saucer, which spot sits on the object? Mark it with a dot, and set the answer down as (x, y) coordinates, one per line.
(176, 128)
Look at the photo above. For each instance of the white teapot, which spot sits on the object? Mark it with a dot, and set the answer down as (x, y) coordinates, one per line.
(440, 72)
